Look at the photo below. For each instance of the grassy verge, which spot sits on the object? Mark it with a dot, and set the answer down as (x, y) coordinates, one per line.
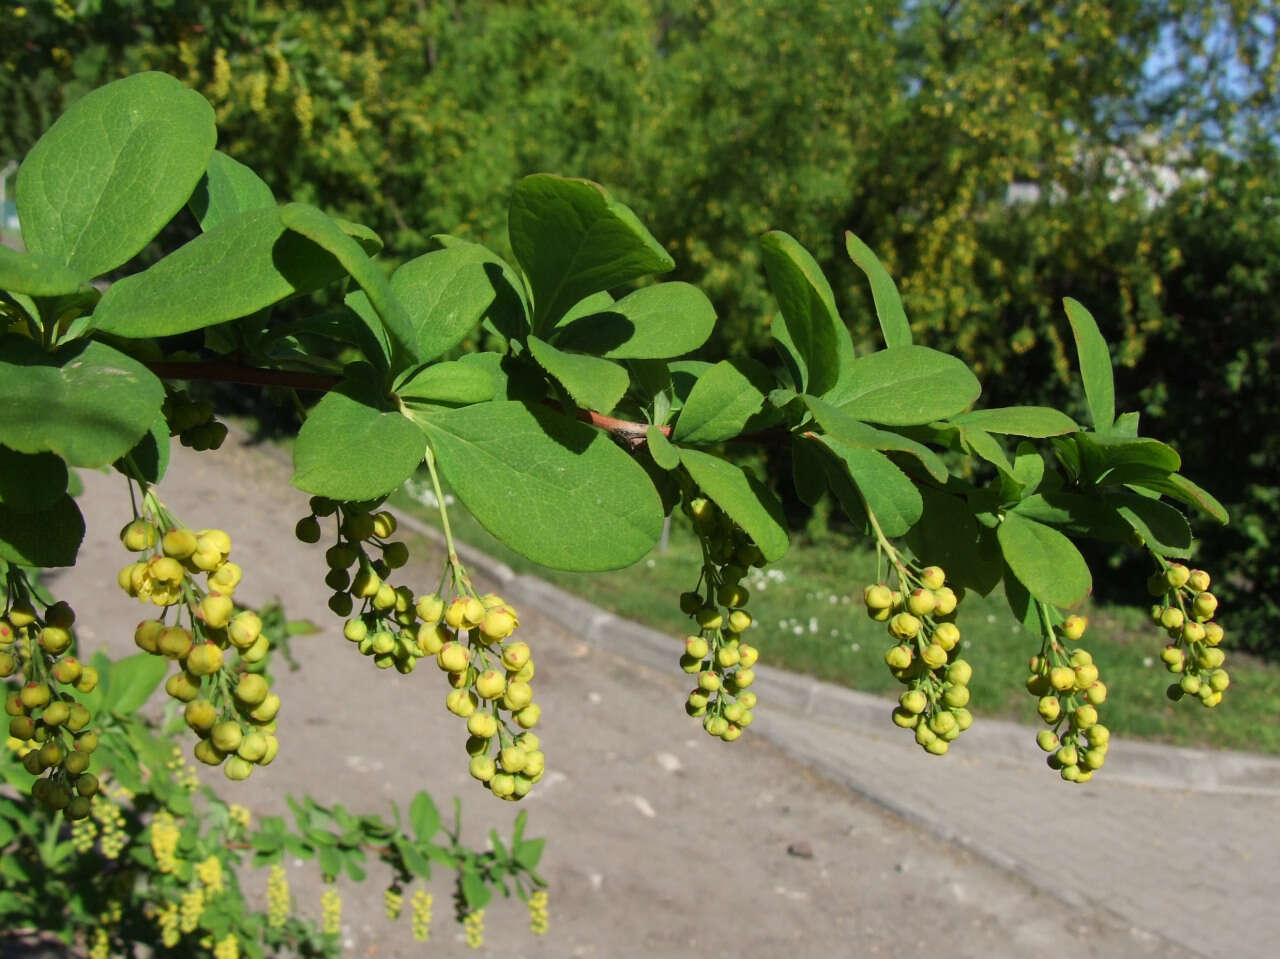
(809, 619)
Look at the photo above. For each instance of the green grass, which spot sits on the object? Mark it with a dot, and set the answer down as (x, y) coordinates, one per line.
(809, 619)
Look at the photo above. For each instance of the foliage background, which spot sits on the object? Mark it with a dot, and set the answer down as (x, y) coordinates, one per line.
(997, 156)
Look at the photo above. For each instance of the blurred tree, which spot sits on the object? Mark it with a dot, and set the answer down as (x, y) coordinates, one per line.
(997, 155)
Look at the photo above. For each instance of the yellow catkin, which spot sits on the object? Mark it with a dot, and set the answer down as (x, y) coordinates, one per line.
(539, 917)
(209, 872)
(421, 915)
(258, 84)
(277, 896)
(227, 948)
(331, 908)
(101, 948)
(167, 919)
(84, 833)
(304, 112)
(473, 926)
(279, 71)
(239, 815)
(164, 841)
(191, 910)
(393, 900)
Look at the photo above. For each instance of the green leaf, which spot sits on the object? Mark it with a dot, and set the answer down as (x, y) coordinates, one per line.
(131, 681)
(1101, 453)
(1025, 610)
(982, 444)
(887, 491)
(450, 383)
(351, 448)
(889, 311)
(660, 448)
(1173, 485)
(151, 453)
(34, 275)
(227, 188)
(241, 266)
(327, 234)
(848, 430)
(947, 535)
(572, 239)
(86, 401)
(654, 322)
(528, 853)
(551, 488)
(1044, 561)
(594, 384)
(906, 386)
(475, 893)
(1076, 515)
(330, 861)
(1028, 468)
(718, 406)
(748, 502)
(1181, 488)
(1033, 421)
(446, 293)
(47, 537)
(510, 311)
(369, 241)
(1095, 366)
(814, 339)
(414, 861)
(808, 469)
(351, 859)
(1164, 528)
(1126, 424)
(30, 481)
(424, 817)
(113, 170)
(341, 325)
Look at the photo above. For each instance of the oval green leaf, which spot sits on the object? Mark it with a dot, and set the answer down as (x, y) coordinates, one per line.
(47, 537)
(594, 384)
(452, 383)
(227, 189)
(886, 491)
(718, 406)
(1034, 421)
(813, 337)
(24, 272)
(446, 293)
(134, 150)
(884, 293)
(1095, 366)
(1044, 561)
(86, 401)
(351, 449)
(30, 481)
(240, 266)
(748, 502)
(906, 386)
(551, 488)
(572, 239)
(654, 322)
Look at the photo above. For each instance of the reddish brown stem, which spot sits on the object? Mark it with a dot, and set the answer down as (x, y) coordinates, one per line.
(630, 434)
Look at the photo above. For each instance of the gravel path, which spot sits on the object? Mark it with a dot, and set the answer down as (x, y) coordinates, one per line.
(663, 842)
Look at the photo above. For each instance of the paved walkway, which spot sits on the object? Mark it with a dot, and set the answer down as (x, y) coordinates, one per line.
(663, 842)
